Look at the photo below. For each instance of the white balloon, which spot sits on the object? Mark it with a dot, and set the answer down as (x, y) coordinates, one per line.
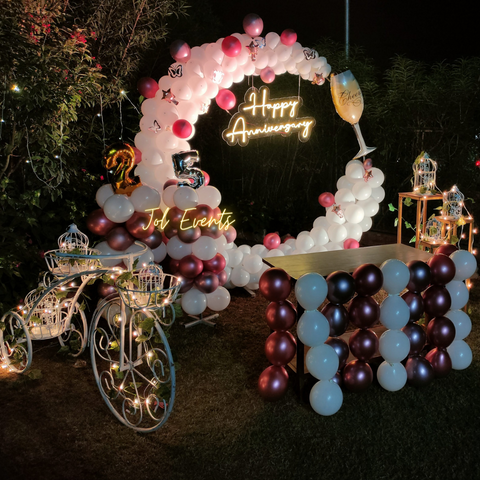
(259, 249)
(343, 182)
(394, 346)
(322, 362)
(396, 276)
(303, 232)
(167, 196)
(462, 322)
(105, 249)
(377, 179)
(394, 312)
(361, 190)
(252, 263)
(354, 231)
(326, 398)
(103, 194)
(460, 354)
(378, 194)
(337, 233)
(333, 217)
(365, 224)
(235, 258)
(304, 242)
(319, 235)
(283, 247)
(145, 258)
(458, 293)
(178, 249)
(245, 249)
(194, 302)
(290, 242)
(208, 195)
(118, 208)
(354, 171)
(392, 376)
(166, 140)
(370, 206)
(272, 39)
(145, 198)
(218, 300)
(344, 195)
(354, 214)
(276, 253)
(465, 264)
(311, 290)
(185, 198)
(204, 248)
(313, 328)
(159, 253)
(331, 246)
(321, 222)
(317, 248)
(239, 277)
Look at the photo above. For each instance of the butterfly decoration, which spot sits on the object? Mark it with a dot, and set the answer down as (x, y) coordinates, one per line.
(310, 54)
(204, 107)
(175, 70)
(155, 128)
(318, 79)
(169, 97)
(217, 76)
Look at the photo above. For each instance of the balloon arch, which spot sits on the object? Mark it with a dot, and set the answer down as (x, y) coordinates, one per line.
(197, 234)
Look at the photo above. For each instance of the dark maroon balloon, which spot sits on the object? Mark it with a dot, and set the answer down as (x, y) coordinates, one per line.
(338, 379)
(436, 301)
(119, 239)
(230, 234)
(337, 317)
(415, 305)
(168, 183)
(368, 279)
(280, 348)
(216, 264)
(419, 276)
(98, 223)
(341, 348)
(170, 231)
(175, 215)
(154, 240)
(417, 336)
(419, 371)
(281, 316)
(213, 231)
(275, 284)
(357, 376)
(273, 383)
(441, 332)
(222, 278)
(187, 284)
(446, 249)
(364, 311)
(147, 87)
(189, 235)
(363, 344)
(442, 269)
(174, 266)
(190, 266)
(207, 282)
(440, 361)
(105, 289)
(140, 225)
(341, 287)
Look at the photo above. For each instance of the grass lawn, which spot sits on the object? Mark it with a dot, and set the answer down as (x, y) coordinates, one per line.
(57, 427)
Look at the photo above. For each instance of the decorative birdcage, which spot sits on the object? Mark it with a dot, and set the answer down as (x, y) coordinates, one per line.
(424, 175)
(148, 289)
(47, 320)
(433, 231)
(73, 240)
(452, 204)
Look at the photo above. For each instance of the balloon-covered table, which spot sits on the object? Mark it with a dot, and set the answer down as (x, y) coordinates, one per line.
(325, 263)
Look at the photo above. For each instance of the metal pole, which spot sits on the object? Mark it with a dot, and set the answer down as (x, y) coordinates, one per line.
(347, 27)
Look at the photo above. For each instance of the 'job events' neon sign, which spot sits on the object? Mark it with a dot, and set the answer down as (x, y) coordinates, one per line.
(261, 116)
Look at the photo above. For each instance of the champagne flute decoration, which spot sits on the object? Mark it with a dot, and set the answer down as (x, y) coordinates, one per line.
(348, 101)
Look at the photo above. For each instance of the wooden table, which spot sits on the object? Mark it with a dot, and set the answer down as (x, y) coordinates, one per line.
(325, 263)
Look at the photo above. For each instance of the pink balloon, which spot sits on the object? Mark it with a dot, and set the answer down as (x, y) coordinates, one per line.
(182, 128)
(206, 177)
(225, 99)
(230, 234)
(350, 243)
(147, 87)
(180, 51)
(267, 75)
(288, 37)
(326, 199)
(253, 25)
(271, 240)
(138, 155)
(231, 46)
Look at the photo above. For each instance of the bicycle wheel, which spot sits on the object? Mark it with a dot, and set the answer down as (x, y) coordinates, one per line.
(15, 343)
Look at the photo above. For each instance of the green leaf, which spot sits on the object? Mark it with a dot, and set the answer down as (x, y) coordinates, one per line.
(391, 207)
(141, 338)
(64, 350)
(408, 225)
(61, 294)
(147, 324)
(413, 239)
(34, 374)
(395, 223)
(407, 202)
(454, 239)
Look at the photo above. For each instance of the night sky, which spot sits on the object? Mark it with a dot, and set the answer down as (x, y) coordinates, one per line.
(420, 29)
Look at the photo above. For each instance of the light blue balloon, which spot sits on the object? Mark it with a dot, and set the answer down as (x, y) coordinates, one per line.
(394, 312)
(322, 362)
(392, 376)
(396, 276)
(462, 322)
(393, 346)
(326, 397)
(311, 290)
(458, 293)
(313, 328)
(460, 354)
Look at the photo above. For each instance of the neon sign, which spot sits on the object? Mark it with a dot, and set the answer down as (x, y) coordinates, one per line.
(261, 116)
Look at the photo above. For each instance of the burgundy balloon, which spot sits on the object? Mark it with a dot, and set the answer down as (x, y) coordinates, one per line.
(119, 238)
(190, 266)
(446, 249)
(98, 223)
(368, 279)
(175, 215)
(440, 361)
(357, 376)
(341, 349)
(338, 379)
(341, 287)
(441, 332)
(337, 317)
(364, 311)
(273, 383)
(442, 269)
(147, 87)
(417, 337)
(419, 276)
(154, 240)
(189, 235)
(436, 301)
(170, 231)
(105, 289)
(207, 282)
(275, 284)
(280, 348)
(187, 284)
(415, 305)
(281, 316)
(213, 231)
(419, 371)
(140, 225)
(222, 278)
(174, 266)
(216, 264)
(168, 183)
(363, 344)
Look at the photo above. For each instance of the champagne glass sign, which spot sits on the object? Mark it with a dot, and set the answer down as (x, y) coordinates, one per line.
(348, 101)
